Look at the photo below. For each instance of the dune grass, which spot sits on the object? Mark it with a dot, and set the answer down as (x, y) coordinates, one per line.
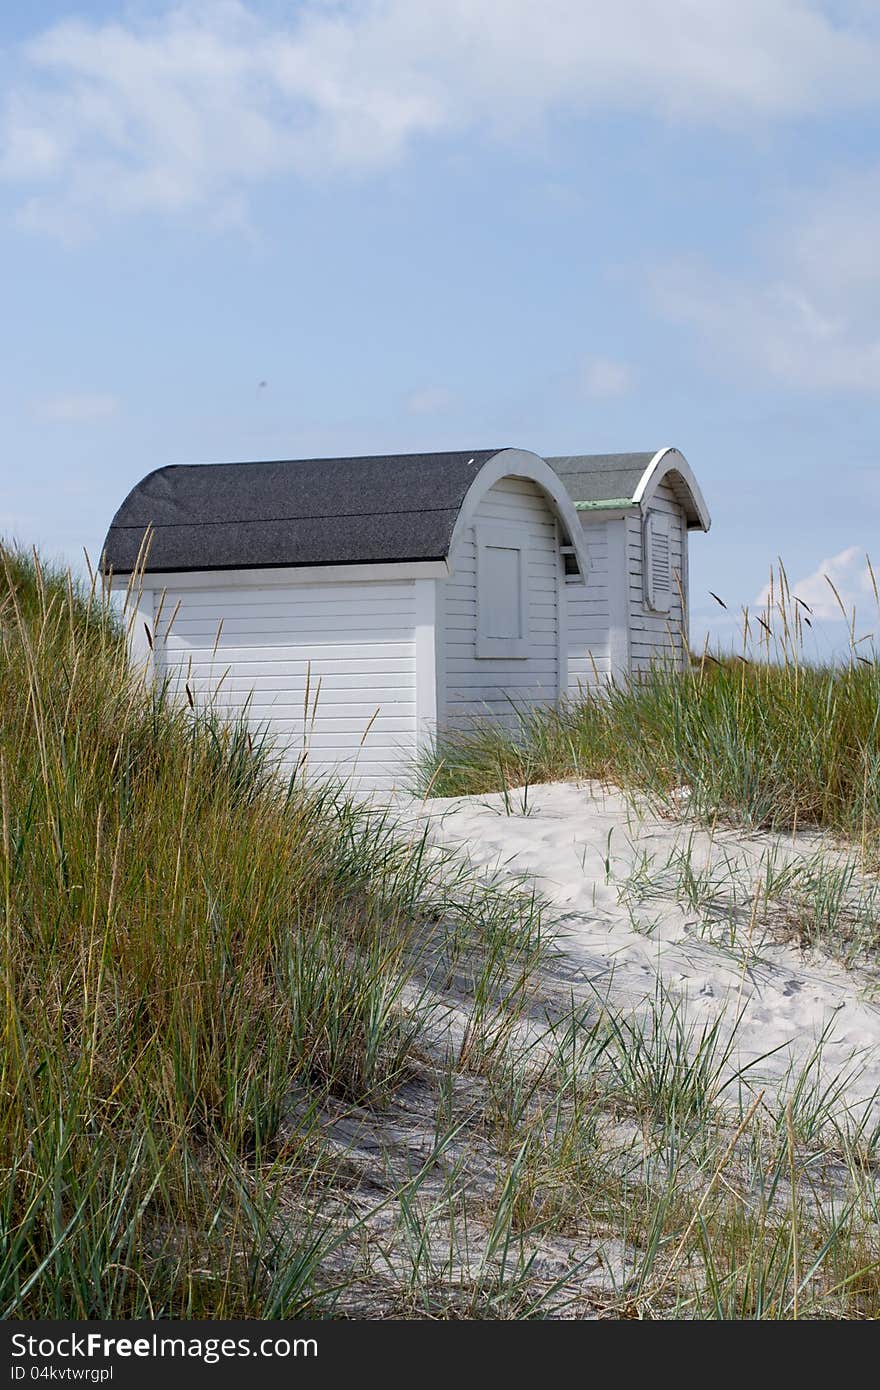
(188, 942)
(761, 739)
(213, 979)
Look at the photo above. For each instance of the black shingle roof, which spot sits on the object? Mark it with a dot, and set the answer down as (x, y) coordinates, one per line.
(601, 477)
(294, 512)
(367, 510)
(612, 480)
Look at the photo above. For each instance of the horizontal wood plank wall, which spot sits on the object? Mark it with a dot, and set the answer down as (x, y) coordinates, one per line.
(588, 620)
(654, 635)
(349, 648)
(485, 686)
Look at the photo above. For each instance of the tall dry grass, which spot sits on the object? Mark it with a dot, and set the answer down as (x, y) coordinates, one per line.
(202, 963)
(762, 737)
(191, 950)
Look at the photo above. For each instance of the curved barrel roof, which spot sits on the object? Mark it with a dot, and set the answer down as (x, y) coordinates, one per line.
(597, 481)
(601, 477)
(294, 512)
(343, 511)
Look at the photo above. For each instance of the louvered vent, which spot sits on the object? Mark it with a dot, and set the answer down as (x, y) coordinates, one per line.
(657, 563)
(660, 560)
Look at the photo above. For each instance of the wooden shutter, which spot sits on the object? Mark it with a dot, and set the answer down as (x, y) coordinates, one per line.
(502, 593)
(657, 563)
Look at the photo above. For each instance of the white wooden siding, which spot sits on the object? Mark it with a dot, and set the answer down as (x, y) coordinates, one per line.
(327, 667)
(654, 635)
(588, 615)
(485, 686)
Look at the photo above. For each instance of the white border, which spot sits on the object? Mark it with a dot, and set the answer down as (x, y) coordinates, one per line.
(618, 602)
(282, 575)
(562, 676)
(426, 663)
(140, 616)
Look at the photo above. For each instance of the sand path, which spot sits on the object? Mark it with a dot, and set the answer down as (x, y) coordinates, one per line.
(616, 878)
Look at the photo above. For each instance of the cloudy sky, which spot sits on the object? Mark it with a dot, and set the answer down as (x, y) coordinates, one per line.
(275, 229)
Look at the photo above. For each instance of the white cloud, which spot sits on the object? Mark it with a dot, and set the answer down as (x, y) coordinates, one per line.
(811, 318)
(429, 400)
(76, 408)
(850, 574)
(601, 379)
(190, 109)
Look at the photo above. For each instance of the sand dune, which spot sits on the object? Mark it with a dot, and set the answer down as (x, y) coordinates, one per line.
(641, 900)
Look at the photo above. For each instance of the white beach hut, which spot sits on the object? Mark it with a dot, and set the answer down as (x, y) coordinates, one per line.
(355, 606)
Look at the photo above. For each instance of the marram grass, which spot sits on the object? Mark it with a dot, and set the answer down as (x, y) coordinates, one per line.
(191, 949)
(761, 738)
(201, 964)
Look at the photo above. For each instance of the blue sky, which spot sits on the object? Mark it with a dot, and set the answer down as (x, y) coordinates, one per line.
(571, 227)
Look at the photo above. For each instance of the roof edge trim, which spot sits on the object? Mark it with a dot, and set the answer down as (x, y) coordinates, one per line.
(671, 460)
(277, 576)
(522, 463)
(606, 504)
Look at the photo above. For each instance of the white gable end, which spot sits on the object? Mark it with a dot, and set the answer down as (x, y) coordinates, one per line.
(498, 624)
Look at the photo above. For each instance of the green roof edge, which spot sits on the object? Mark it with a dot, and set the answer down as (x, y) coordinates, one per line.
(608, 502)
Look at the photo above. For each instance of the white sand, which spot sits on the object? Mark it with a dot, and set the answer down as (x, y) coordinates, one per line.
(621, 934)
